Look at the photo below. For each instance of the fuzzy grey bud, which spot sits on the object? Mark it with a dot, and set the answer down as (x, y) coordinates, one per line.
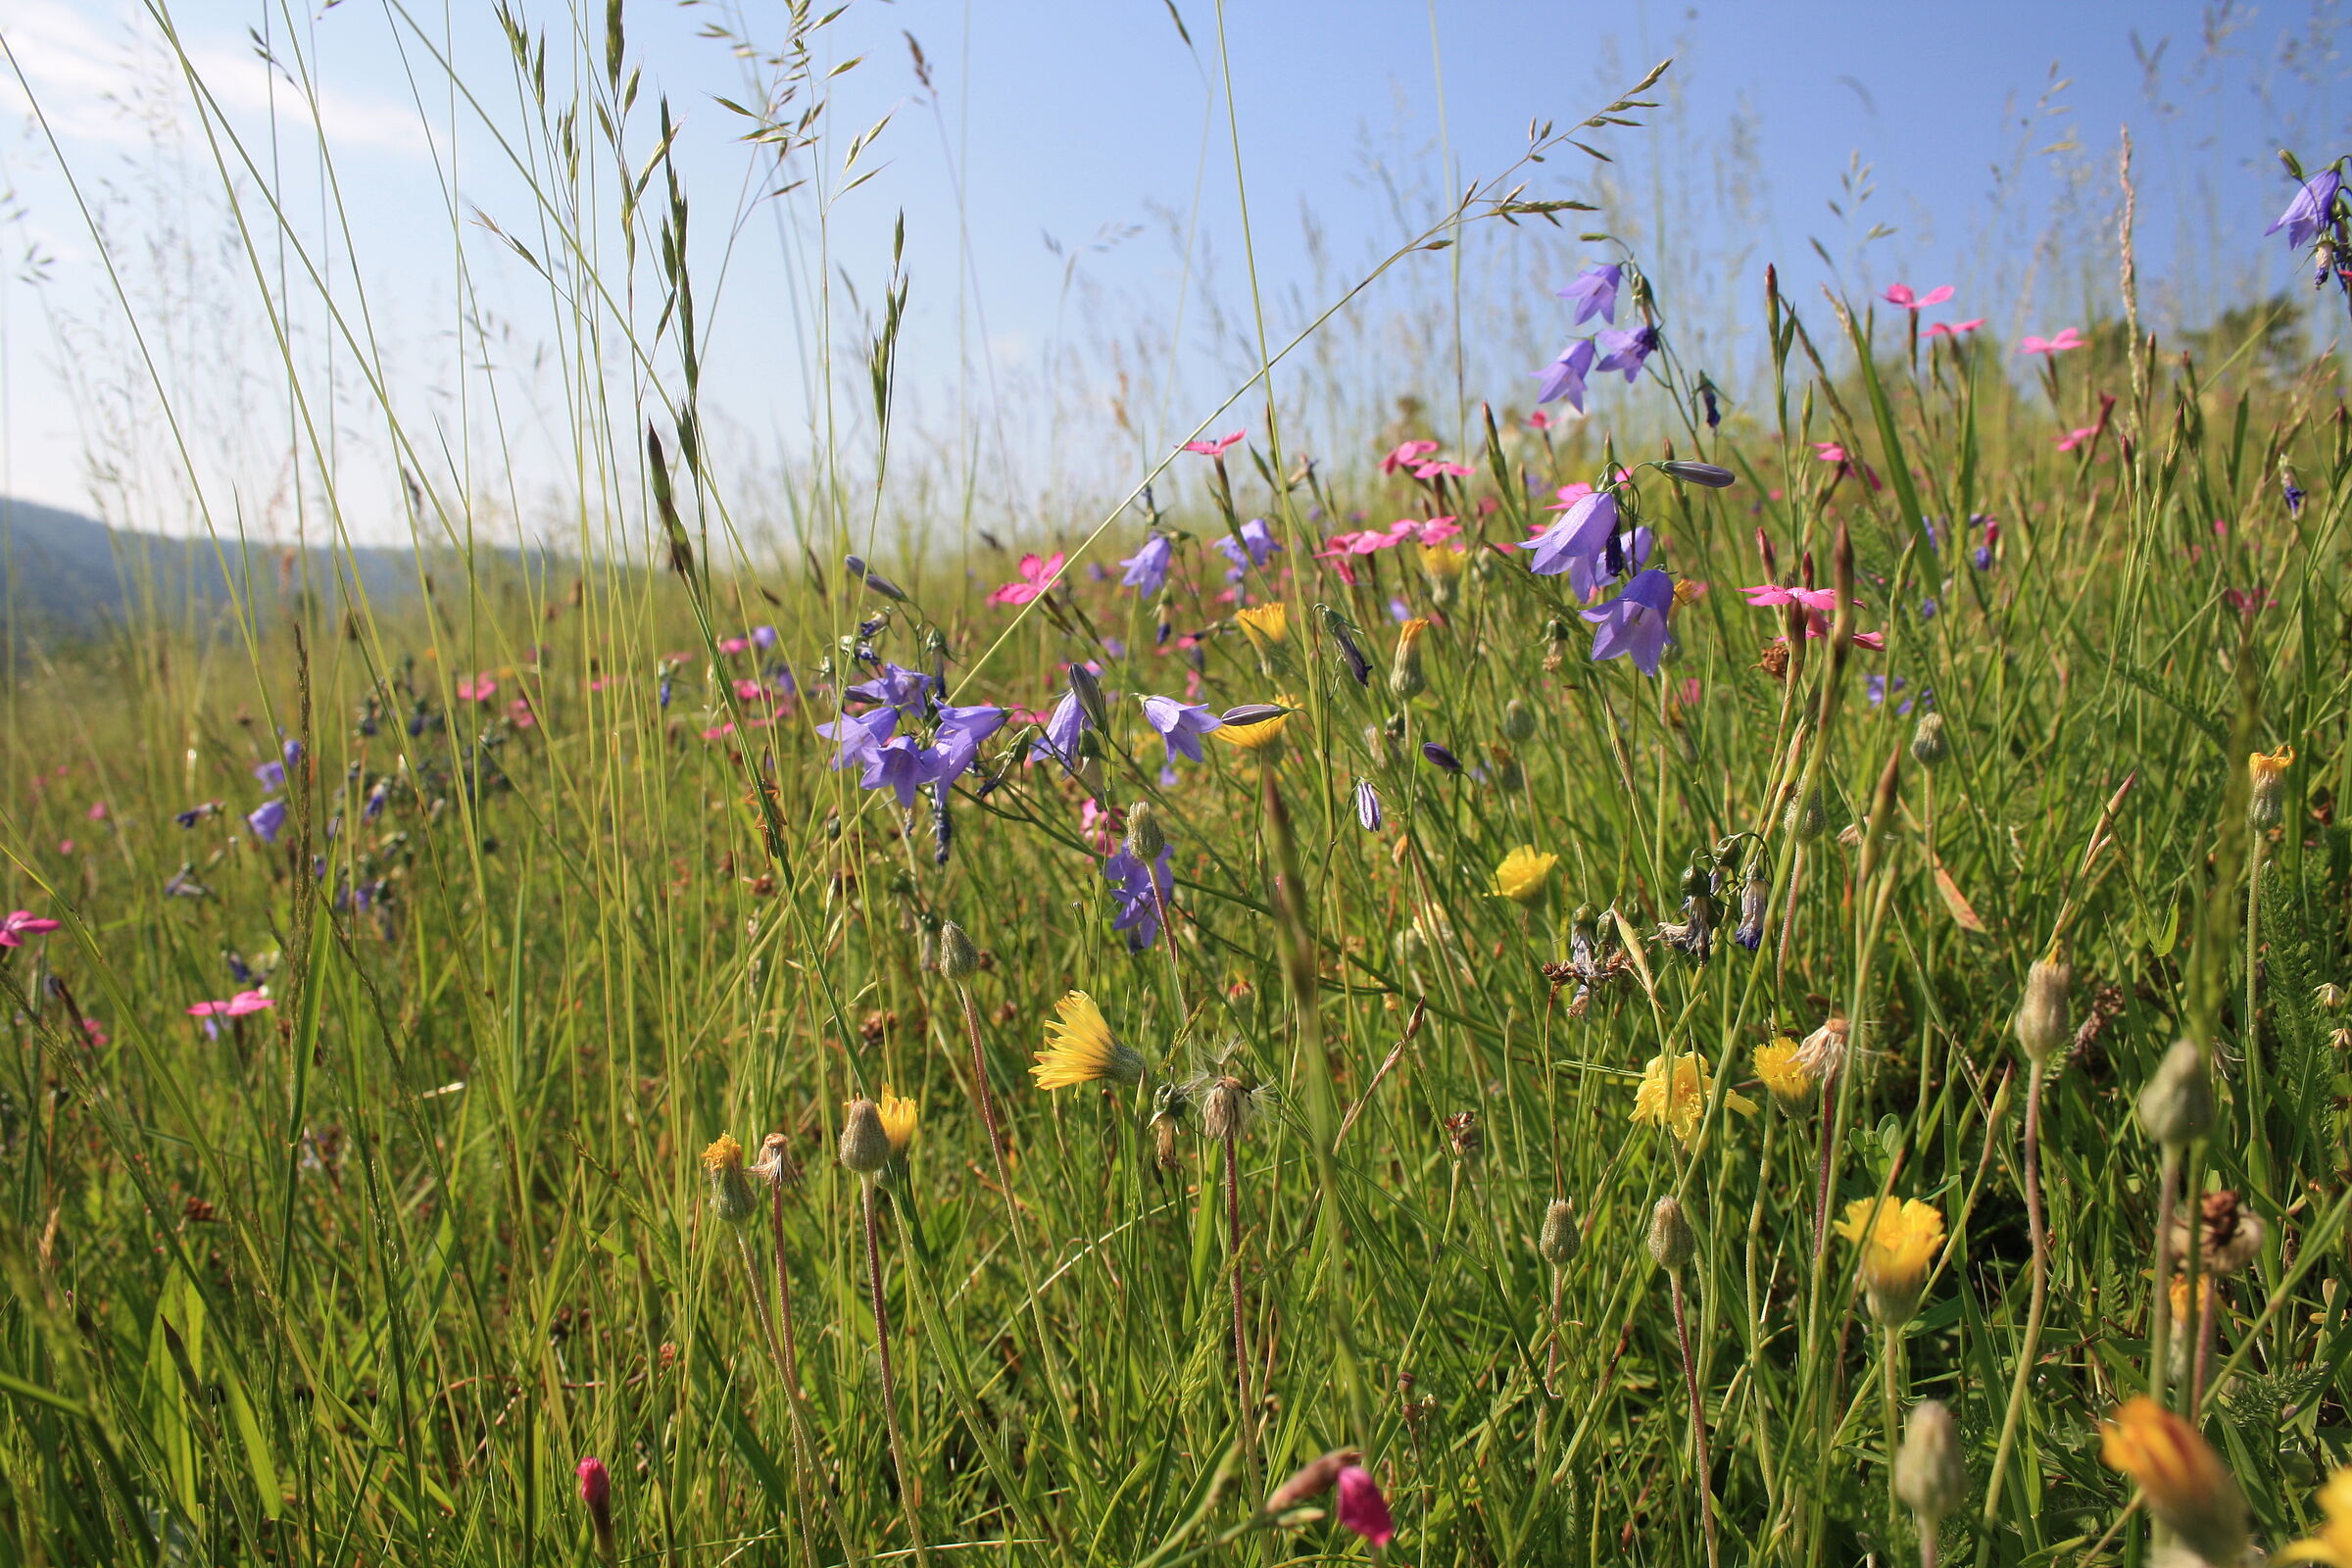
(1929, 1475)
(865, 1145)
(1930, 745)
(958, 960)
(1671, 1242)
(2176, 1105)
(2041, 1017)
(1560, 1239)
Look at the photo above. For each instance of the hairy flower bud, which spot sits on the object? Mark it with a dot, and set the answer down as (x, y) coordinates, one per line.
(1518, 720)
(1671, 1242)
(1929, 1475)
(958, 960)
(1405, 680)
(1145, 837)
(2176, 1105)
(1809, 816)
(1560, 1239)
(2041, 1017)
(1929, 744)
(864, 1144)
(2265, 779)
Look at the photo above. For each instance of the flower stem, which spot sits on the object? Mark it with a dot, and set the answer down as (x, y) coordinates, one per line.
(1246, 1426)
(1699, 1418)
(2160, 1314)
(2033, 1312)
(775, 1348)
(910, 1501)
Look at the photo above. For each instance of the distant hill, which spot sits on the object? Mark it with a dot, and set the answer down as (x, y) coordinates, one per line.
(64, 574)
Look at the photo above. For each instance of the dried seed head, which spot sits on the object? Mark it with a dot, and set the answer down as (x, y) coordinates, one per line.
(864, 1143)
(1671, 1242)
(2041, 1017)
(1468, 1138)
(2228, 1235)
(1224, 1108)
(772, 1167)
(1560, 1239)
(2177, 1105)
(1929, 1475)
(958, 960)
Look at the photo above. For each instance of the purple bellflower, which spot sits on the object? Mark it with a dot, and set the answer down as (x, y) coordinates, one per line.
(265, 820)
(901, 766)
(1582, 533)
(1179, 724)
(1137, 912)
(272, 774)
(1148, 569)
(1256, 539)
(2312, 210)
(957, 746)
(1564, 377)
(855, 737)
(1064, 727)
(1635, 622)
(1594, 292)
(1626, 350)
(903, 688)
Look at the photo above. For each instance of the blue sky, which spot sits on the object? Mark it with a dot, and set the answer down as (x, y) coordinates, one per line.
(1088, 129)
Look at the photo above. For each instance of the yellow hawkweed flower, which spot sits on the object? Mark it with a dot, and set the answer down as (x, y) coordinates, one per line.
(2183, 1479)
(1899, 1241)
(1264, 738)
(1080, 1048)
(2334, 1544)
(899, 1117)
(1681, 1113)
(732, 1195)
(1442, 561)
(1781, 1066)
(1266, 623)
(1524, 874)
(723, 1154)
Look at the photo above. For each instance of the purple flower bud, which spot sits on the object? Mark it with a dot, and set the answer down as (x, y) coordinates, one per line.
(1368, 806)
(1438, 756)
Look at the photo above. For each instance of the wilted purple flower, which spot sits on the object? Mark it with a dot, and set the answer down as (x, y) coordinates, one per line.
(857, 736)
(291, 751)
(1564, 377)
(2312, 210)
(1438, 756)
(183, 883)
(900, 767)
(1635, 622)
(1256, 538)
(1581, 533)
(1594, 292)
(1755, 892)
(1626, 350)
(265, 820)
(1179, 724)
(1062, 728)
(1148, 569)
(1137, 912)
(272, 774)
(378, 799)
(2294, 496)
(197, 813)
(1368, 806)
